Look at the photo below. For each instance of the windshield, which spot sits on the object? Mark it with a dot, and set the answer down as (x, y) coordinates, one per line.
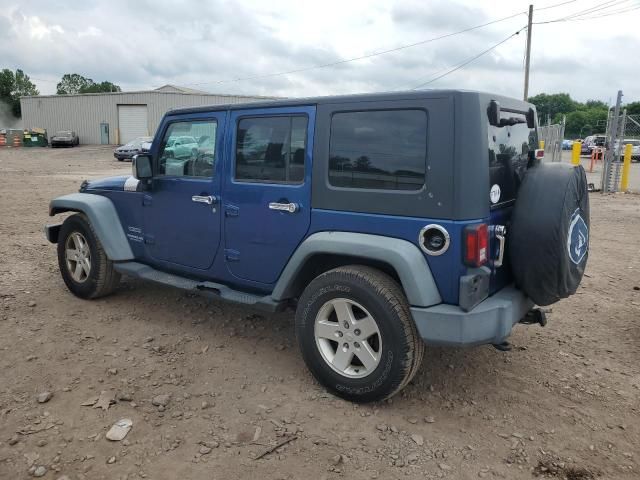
(62, 134)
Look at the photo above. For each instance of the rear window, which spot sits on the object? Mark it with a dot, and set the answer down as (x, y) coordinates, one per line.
(378, 149)
(510, 149)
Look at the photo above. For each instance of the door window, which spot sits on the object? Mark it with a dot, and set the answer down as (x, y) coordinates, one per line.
(188, 149)
(271, 149)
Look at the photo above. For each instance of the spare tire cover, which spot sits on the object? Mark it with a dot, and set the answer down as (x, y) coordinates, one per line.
(548, 240)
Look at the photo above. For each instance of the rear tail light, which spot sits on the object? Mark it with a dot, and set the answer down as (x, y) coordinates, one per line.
(539, 153)
(476, 245)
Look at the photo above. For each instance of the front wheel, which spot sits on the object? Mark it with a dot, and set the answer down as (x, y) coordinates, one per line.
(83, 264)
(356, 334)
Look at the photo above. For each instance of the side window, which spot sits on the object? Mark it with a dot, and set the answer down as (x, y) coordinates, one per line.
(271, 149)
(188, 149)
(378, 149)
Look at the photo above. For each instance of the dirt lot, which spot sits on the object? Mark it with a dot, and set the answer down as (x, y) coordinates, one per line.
(563, 403)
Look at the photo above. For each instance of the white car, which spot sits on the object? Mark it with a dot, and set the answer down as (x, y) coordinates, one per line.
(635, 148)
(181, 147)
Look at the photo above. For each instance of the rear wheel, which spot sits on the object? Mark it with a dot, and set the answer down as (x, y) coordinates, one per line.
(83, 264)
(356, 334)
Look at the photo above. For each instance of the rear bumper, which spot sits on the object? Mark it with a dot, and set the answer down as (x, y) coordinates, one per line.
(490, 321)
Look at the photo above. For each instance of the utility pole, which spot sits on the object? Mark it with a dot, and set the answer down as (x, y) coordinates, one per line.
(528, 59)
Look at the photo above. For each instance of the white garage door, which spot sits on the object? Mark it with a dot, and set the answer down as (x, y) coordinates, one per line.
(132, 122)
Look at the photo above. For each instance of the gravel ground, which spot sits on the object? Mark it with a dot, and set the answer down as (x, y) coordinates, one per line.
(211, 386)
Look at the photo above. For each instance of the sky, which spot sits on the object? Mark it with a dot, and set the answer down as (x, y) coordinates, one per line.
(242, 47)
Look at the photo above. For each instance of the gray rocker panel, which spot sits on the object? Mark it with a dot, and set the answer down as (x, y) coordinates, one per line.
(406, 258)
(211, 289)
(104, 220)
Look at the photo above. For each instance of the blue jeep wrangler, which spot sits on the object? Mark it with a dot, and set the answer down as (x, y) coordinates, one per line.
(388, 221)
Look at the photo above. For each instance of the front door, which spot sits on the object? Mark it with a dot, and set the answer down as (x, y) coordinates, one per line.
(182, 209)
(267, 199)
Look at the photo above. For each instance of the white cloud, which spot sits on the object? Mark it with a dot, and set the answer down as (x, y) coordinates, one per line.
(149, 43)
(39, 30)
(90, 31)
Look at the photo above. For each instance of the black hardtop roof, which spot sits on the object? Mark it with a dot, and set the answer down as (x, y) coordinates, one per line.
(354, 98)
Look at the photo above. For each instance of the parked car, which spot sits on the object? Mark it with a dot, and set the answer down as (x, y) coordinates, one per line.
(594, 141)
(635, 148)
(181, 147)
(584, 148)
(134, 147)
(385, 231)
(65, 138)
(567, 144)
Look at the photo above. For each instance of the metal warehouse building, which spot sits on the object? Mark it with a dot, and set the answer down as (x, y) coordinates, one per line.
(115, 118)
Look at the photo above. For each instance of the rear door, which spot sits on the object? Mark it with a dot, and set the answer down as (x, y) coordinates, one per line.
(511, 151)
(267, 193)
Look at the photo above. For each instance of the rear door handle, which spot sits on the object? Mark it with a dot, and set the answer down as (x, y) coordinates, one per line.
(208, 199)
(500, 232)
(284, 207)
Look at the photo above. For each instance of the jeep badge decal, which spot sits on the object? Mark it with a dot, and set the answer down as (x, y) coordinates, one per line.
(494, 194)
(578, 238)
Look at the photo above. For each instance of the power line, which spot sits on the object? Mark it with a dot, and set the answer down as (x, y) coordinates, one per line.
(597, 8)
(554, 6)
(617, 12)
(362, 57)
(374, 54)
(588, 11)
(469, 60)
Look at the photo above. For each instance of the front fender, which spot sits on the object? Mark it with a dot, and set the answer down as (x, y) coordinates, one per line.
(103, 218)
(407, 260)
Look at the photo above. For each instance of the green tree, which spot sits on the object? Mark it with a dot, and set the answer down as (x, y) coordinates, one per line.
(598, 104)
(13, 86)
(101, 88)
(72, 83)
(552, 104)
(633, 108)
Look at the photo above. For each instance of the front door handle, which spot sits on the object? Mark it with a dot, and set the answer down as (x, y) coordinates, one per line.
(284, 207)
(208, 199)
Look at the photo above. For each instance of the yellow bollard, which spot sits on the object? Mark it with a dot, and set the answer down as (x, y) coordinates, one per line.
(575, 153)
(541, 144)
(626, 167)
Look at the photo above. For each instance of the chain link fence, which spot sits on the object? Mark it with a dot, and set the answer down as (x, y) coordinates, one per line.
(622, 130)
(603, 162)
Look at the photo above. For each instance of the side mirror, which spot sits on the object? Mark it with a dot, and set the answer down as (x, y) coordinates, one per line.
(141, 165)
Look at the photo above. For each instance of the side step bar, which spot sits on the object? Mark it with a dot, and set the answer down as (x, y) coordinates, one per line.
(210, 289)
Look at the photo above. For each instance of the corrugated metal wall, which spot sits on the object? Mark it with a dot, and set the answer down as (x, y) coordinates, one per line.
(85, 113)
